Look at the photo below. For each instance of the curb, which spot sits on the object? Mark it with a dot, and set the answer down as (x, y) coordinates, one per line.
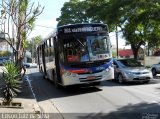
(36, 107)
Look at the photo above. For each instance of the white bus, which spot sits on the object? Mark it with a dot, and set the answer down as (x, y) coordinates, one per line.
(76, 54)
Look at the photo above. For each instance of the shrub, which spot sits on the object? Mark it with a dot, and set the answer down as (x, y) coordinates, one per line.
(12, 82)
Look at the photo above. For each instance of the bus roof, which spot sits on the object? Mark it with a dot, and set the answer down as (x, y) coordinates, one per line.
(63, 29)
(82, 28)
(80, 24)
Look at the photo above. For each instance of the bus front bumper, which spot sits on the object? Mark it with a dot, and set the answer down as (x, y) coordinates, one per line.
(88, 78)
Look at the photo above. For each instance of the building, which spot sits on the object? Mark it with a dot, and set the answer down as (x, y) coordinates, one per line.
(126, 53)
(4, 46)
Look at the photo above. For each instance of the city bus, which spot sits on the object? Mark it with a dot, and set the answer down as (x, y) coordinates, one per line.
(76, 54)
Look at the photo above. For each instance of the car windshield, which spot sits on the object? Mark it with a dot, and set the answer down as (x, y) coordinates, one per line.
(130, 63)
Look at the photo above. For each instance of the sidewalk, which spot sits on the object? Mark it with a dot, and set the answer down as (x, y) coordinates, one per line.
(29, 103)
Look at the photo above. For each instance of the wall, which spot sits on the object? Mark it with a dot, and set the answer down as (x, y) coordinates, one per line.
(149, 60)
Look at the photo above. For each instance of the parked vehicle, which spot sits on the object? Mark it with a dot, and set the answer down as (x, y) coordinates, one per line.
(3, 60)
(155, 68)
(26, 65)
(30, 65)
(131, 70)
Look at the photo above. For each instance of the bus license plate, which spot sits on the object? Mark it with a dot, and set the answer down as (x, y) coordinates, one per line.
(91, 77)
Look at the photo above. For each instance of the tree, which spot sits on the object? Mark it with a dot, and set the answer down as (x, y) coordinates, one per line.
(31, 45)
(142, 24)
(72, 12)
(20, 16)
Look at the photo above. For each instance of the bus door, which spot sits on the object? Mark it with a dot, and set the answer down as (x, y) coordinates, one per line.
(43, 59)
(57, 60)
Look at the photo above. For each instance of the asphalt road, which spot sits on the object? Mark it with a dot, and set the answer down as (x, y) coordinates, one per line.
(110, 100)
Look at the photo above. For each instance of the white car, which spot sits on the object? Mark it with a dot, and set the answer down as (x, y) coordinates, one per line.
(155, 68)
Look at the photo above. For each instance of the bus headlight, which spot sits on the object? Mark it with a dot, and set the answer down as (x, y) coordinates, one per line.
(68, 73)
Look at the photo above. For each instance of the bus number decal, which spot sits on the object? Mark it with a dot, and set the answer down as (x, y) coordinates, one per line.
(83, 29)
(100, 68)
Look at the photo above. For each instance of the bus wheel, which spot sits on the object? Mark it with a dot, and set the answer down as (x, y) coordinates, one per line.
(41, 70)
(96, 83)
(44, 76)
(56, 84)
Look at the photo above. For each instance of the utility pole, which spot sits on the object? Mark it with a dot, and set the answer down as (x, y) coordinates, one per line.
(33, 50)
(117, 40)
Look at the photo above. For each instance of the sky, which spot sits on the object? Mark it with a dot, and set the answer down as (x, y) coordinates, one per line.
(46, 22)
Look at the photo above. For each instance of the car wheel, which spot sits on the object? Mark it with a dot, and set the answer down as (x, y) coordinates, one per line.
(154, 72)
(147, 81)
(120, 78)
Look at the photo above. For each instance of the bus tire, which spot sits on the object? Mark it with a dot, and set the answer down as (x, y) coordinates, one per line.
(40, 69)
(96, 83)
(44, 76)
(56, 84)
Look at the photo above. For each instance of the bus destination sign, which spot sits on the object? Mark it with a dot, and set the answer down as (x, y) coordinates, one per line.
(83, 29)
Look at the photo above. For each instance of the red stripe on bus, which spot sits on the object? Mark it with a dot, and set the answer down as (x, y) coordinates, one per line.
(78, 71)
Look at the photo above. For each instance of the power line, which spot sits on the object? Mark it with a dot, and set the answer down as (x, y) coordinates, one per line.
(45, 26)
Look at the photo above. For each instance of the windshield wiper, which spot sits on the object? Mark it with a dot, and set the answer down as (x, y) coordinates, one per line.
(78, 40)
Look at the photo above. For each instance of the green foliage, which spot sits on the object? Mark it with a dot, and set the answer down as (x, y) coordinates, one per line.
(23, 5)
(31, 45)
(73, 12)
(5, 53)
(114, 54)
(12, 81)
(31, 21)
(140, 23)
(23, 34)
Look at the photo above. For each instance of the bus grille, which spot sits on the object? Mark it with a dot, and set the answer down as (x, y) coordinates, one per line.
(88, 80)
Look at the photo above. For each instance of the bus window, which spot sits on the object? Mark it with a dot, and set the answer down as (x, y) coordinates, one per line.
(99, 47)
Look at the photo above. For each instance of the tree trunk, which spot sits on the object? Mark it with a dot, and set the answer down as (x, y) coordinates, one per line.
(20, 38)
(135, 48)
(135, 51)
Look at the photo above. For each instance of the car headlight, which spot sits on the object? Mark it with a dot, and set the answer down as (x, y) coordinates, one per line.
(128, 72)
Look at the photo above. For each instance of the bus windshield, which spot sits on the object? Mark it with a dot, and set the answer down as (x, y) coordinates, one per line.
(86, 48)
